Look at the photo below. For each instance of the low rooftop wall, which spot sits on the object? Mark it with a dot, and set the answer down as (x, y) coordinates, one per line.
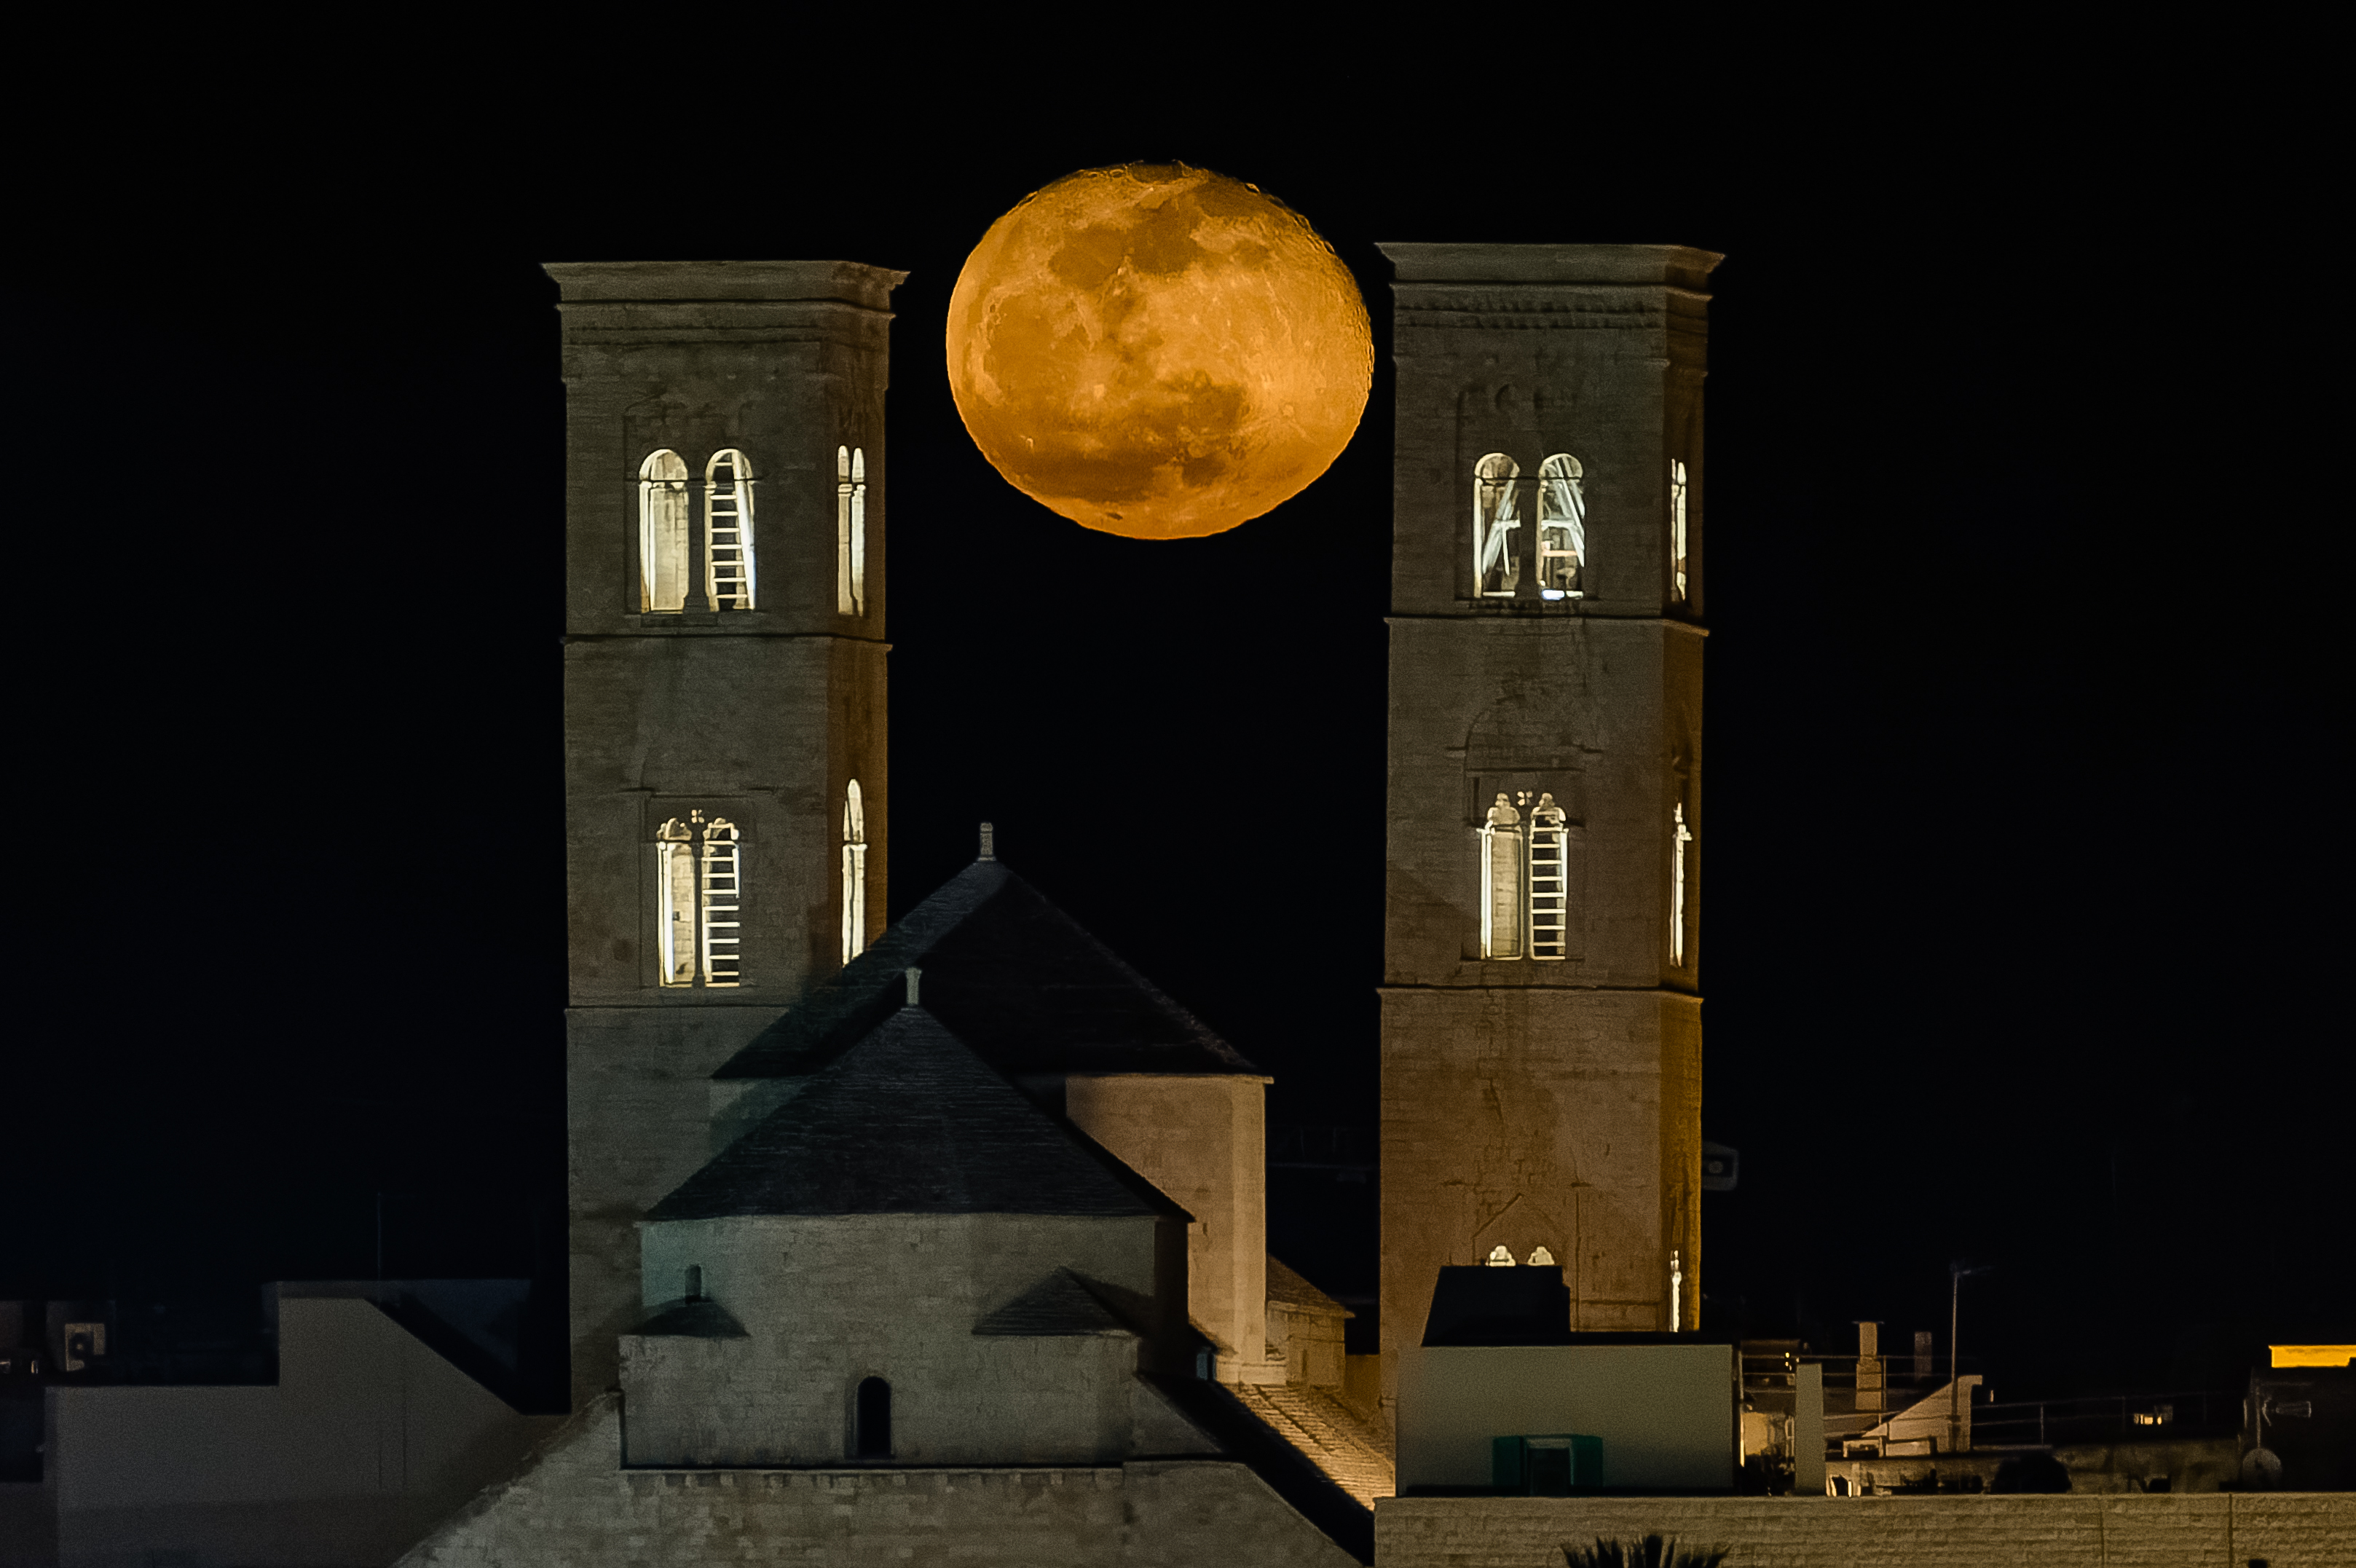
(2283, 1528)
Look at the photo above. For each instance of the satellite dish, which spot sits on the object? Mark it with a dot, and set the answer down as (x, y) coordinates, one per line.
(2261, 1471)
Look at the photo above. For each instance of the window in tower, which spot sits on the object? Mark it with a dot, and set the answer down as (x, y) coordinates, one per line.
(850, 529)
(723, 912)
(662, 532)
(1678, 890)
(854, 874)
(1501, 881)
(1549, 881)
(728, 531)
(1677, 530)
(1562, 527)
(1496, 564)
(699, 900)
(675, 897)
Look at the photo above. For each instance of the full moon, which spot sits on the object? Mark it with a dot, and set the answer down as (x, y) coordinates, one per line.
(1158, 351)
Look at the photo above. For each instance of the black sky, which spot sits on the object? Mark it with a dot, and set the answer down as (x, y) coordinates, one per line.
(2020, 921)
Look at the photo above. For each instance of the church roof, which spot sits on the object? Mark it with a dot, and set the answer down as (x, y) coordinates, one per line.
(909, 1121)
(1289, 1289)
(1017, 978)
(702, 1318)
(1060, 1304)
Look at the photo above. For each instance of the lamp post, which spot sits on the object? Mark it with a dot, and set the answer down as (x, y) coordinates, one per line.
(1955, 1272)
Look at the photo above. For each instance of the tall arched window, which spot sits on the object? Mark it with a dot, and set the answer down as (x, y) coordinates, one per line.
(728, 531)
(675, 901)
(1501, 881)
(1562, 527)
(1549, 881)
(872, 1440)
(850, 529)
(854, 874)
(723, 910)
(1496, 517)
(1684, 837)
(699, 900)
(662, 532)
(1676, 529)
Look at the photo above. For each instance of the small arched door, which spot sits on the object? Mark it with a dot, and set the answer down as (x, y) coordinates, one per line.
(873, 1439)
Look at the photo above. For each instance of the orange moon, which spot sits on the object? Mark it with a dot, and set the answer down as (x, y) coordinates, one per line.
(1158, 351)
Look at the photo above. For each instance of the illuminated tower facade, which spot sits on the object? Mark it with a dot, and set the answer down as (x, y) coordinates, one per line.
(724, 703)
(1541, 1034)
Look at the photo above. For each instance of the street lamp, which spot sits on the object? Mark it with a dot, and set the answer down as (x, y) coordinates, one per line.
(1955, 1272)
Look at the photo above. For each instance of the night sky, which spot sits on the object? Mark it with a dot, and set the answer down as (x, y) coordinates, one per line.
(2018, 942)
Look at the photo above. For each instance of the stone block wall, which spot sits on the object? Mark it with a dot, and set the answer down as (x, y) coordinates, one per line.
(2231, 1530)
(1201, 1139)
(828, 1300)
(575, 1506)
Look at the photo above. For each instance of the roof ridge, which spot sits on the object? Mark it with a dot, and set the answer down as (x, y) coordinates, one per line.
(907, 1120)
(1030, 988)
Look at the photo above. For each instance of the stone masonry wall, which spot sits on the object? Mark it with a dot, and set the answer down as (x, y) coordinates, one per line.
(574, 1506)
(2282, 1529)
(829, 1300)
(1203, 1140)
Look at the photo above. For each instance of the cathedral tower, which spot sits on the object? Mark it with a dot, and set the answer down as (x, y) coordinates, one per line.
(1541, 1045)
(724, 702)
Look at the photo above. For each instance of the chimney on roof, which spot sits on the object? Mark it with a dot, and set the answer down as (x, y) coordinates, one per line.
(989, 845)
(913, 976)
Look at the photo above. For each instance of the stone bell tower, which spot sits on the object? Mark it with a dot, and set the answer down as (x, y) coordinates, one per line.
(725, 739)
(1541, 1037)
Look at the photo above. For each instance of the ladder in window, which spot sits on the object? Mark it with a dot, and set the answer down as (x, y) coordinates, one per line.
(722, 907)
(728, 514)
(1549, 893)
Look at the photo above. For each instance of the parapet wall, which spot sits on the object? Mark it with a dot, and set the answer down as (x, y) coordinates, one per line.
(2306, 1529)
(574, 1506)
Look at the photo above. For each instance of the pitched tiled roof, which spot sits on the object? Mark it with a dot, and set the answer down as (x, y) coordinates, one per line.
(908, 1121)
(1014, 977)
(1353, 1451)
(1059, 1304)
(702, 1318)
(1289, 1289)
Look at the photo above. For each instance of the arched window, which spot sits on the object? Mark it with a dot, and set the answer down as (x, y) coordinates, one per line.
(694, 1281)
(1684, 837)
(1496, 517)
(699, 900)
(1562, 527)
(854, 874)
(873, 1438)
(722, 909)
(662, 532)
(1501, 881)
(1549, 881)
(1676, 529)
(675, 901)
(728, 531)
(850, 529)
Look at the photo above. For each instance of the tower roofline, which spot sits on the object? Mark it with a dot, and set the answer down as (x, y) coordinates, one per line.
(607, 283)
(1676, 266)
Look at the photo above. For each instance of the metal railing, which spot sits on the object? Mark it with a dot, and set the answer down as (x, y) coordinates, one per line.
(2105, 1418)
